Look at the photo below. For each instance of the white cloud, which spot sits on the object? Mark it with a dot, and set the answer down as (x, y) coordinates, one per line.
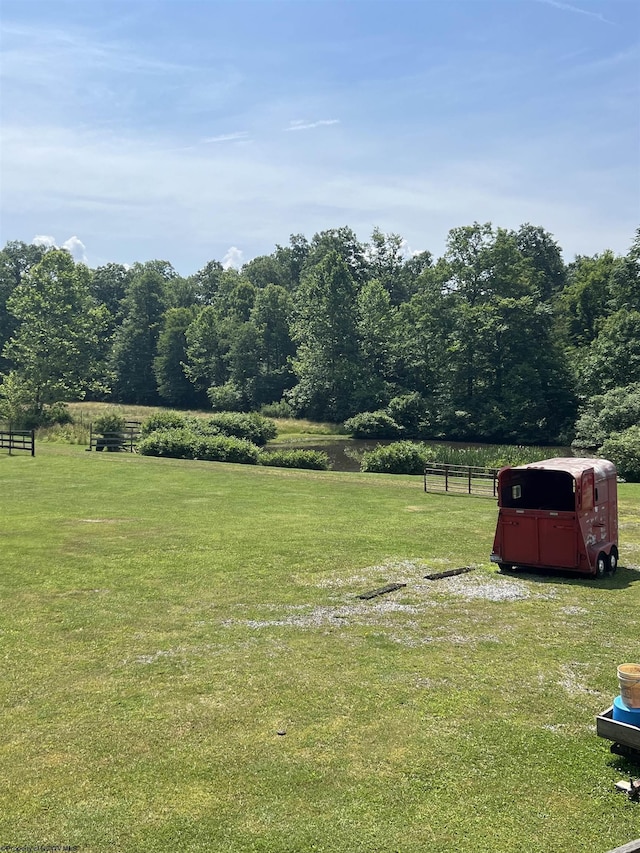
(76, 248)
(234, 258)
(136, 199)
(568, 7)
(229, 137)
(73, 245)
(44, 240)
(307, 125)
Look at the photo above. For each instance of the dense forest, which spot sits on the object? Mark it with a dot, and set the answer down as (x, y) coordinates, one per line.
(497, 340)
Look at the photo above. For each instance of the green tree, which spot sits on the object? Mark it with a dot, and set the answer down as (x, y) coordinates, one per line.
(265, 270)
(109, 287)
(136, 340)
(16, 259)
(468, 255)
(207, 282)
(376, 329)
(206, 348)
(243, 361)
(328, 364)
(528, 385)
(174, 386)
(344, 243)
(292, 259)
(385, 255)
(603, 414)
(543, 252)
(55, 350)
(624, 284)
(584, 303)
(613, 359)
(271, 316)
(421, 348)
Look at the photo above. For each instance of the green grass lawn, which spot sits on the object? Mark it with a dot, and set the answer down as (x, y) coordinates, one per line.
(162, 623)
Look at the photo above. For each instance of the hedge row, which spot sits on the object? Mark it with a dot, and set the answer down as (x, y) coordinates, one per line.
(311, 459)
(181, 443)
(253, 427)
(223, 437)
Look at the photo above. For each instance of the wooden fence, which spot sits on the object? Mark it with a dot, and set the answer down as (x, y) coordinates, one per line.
(13, 439)
(462, 479)
(125, 440)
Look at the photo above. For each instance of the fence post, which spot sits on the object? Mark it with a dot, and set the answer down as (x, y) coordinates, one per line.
(33, 442)
(469, 472)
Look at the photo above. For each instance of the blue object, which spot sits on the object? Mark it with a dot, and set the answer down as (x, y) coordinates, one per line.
(623, 714)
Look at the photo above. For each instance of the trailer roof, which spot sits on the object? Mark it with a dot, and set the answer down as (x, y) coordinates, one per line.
(575, 465)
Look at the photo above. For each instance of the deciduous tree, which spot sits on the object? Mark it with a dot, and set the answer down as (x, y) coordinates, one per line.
(55, 350)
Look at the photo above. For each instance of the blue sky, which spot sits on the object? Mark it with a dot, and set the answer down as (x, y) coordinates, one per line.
(190, 131)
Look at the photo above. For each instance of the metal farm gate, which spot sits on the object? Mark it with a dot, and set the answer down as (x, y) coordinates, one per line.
(461, 479)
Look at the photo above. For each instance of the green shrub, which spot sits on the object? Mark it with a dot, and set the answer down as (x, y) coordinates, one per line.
(590, 432)
(604, 414)
(409, 411)
(163, 420)
(182, 443)
(111, 421)
(277, 410)
(224, 448)
(179, 443)
(226, 398)
(373, 425)
(56, 413)
(311, 459)
(254, 427)
(400, 457)
(623, 449)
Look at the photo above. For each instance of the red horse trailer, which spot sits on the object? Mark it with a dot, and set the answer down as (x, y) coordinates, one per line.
(558, 514)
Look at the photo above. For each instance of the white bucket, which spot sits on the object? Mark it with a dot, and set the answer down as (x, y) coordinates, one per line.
(629, 681)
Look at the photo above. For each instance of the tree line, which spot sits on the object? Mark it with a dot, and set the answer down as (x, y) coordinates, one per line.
(497, 340)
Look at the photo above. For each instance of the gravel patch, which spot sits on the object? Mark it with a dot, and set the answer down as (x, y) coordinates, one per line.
(305, 616)
(470, 587)
(574, 679)
(397, 571)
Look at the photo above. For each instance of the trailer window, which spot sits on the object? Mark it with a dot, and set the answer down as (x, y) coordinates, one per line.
(540, 489)
(589, 490)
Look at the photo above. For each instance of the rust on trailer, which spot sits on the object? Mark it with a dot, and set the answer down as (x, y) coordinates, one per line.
(558, 514)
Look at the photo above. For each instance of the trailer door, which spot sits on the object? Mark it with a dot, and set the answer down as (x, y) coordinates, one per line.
(520, 538)
(558, 539)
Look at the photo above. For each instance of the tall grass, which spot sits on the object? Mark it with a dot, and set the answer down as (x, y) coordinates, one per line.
(489, 456)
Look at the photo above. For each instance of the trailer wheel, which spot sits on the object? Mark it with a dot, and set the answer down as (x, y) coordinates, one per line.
(613, 560)
(601, 565)
(505, 567)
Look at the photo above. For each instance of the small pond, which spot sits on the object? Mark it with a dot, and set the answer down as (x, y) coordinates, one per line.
(345, 453)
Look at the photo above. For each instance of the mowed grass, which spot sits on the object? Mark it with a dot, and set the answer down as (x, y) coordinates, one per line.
(186, 666)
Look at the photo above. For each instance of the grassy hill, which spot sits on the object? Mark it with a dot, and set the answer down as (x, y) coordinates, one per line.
(186, 666)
